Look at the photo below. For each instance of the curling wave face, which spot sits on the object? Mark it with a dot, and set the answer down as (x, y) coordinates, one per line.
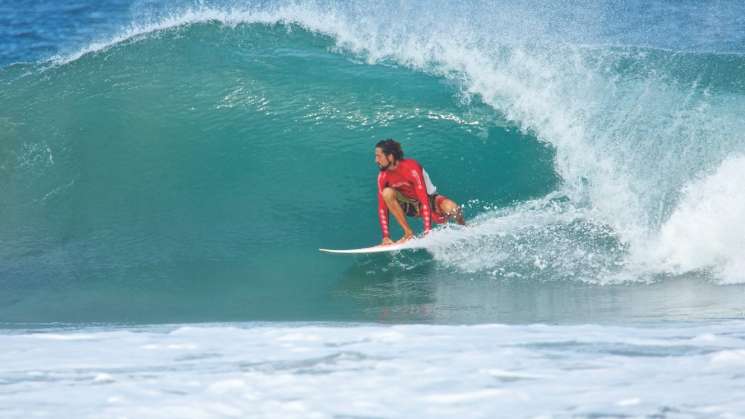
(203, 147)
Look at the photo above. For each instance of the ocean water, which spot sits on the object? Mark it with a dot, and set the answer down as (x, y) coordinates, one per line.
(169, 170)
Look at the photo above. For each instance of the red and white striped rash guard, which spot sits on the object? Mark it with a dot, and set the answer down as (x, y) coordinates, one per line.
(407, 178)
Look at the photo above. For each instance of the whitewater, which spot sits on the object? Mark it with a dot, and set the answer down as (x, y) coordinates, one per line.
(168, 172)
(364, 370)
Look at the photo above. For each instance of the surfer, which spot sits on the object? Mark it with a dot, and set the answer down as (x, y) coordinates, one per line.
(404, 189)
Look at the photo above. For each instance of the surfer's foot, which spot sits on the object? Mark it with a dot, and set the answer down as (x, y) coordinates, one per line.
(405, 238)
(386, 241)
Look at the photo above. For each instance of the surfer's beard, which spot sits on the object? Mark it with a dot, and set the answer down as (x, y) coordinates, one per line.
(384, 168)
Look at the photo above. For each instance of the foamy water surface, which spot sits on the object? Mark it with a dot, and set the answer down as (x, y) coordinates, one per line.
(361, 370)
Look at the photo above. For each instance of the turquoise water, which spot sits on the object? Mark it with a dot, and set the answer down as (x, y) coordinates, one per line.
(215, 188)
(188, 168)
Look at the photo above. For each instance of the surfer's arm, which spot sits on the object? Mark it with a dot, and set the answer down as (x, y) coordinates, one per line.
(421, 194)
(382, 208)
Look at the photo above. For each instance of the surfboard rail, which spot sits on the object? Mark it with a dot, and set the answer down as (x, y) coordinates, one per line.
(412, 244)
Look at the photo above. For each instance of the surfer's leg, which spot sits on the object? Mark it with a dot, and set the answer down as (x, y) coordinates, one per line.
(452, 210)
(389, 196)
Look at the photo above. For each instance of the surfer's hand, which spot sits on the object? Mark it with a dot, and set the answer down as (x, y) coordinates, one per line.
(386, 241)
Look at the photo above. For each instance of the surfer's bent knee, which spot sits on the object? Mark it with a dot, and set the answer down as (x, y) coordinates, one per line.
(389, 194)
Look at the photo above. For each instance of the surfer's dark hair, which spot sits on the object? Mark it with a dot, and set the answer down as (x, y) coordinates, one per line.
(391, 146)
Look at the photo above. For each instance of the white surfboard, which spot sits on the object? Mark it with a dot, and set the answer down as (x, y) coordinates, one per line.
(411, 244)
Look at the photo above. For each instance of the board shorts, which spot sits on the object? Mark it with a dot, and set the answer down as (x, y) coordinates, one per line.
(412, 207)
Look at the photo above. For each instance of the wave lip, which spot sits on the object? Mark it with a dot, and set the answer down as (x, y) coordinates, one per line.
(304, 16)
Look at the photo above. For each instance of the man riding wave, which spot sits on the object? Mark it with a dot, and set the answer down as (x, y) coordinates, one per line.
(404, 189)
